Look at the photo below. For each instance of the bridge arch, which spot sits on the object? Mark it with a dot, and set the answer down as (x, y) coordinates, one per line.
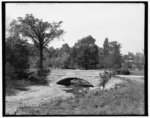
(68, 80)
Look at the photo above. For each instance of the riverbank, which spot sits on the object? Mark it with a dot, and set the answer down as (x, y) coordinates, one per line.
(125, 99)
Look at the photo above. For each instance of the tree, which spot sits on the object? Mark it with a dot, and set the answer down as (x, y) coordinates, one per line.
(41, 33)
(100, 52)
(17, 55)
(16, 59)
(60, 57)
(73, 57)
(65, 56)
(116, 55)
(139, 60)
(106, 57)
(111, 56)
(85, 53)
(128, 60)
(106, 48)
(65, 48)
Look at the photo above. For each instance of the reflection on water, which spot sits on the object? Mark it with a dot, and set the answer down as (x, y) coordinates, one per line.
(77, 89)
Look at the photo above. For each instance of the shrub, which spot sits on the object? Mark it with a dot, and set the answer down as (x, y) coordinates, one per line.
(36, 80)
(17, 55)
(44, 72)
(9, 74)
(123, 71)
(104, 78)
(16, 59)
(13, 83)
(21, 84)
(39, 77)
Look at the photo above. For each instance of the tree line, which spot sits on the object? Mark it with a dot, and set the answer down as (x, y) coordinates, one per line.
(85, 54)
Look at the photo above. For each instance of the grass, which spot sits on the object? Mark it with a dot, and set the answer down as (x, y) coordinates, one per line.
(126, 100)
(137, 72)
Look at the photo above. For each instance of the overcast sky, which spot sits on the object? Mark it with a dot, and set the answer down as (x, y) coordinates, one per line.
(118, 22)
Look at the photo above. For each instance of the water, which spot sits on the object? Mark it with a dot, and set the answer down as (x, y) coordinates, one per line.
(77, 90)
(75, 86)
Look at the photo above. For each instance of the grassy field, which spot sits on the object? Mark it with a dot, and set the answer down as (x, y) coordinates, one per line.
(137, 72)
(126, 99)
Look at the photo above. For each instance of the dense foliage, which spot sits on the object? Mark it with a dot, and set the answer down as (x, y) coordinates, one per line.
(133, 61)
(41, 33)
(85, 54)
(16, 62)
(111, 56)
(17, 54)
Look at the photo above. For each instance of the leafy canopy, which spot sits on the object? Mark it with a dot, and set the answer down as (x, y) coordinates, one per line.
(41, 33)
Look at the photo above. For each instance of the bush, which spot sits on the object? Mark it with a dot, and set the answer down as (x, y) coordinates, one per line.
(104, 78)
(13, 83)
(44, 72)
(9, 74)
(39, 77)
(17, 54)
(122, 72)
(16, 63)
(21, 84)
(36, 80)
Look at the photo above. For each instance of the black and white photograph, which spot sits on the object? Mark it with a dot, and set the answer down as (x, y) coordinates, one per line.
(75, 58)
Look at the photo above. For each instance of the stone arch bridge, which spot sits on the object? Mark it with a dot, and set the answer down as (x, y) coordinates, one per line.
(92, 77)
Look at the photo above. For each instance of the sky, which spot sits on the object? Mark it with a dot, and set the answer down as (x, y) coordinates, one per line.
(123, 23)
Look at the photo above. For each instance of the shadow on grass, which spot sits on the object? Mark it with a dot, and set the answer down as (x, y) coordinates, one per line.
(14, 86)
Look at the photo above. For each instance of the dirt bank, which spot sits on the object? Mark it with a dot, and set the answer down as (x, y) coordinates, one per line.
(35, 96)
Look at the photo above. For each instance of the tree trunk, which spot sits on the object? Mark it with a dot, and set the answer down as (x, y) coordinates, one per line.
(41, 58)
(86, 67)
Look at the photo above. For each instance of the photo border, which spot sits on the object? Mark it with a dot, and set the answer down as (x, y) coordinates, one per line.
(3, 5)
